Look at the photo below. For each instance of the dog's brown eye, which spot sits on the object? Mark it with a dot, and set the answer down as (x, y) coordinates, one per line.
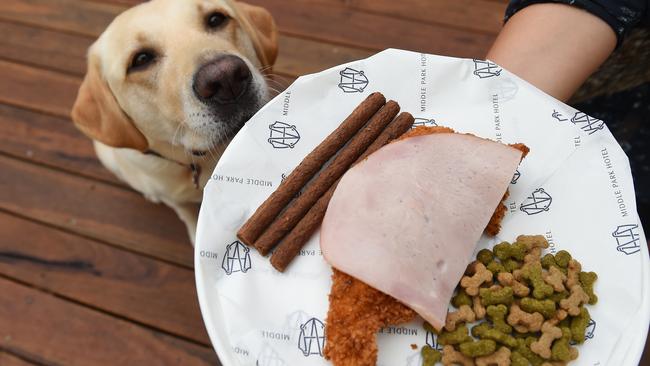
(215, 20)
(141, 59)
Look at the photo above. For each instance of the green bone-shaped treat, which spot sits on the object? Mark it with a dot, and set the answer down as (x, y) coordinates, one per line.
(485, 256)
(579, 325)
(505, 251)
(430, 356)
(533, 273)
(461, 298)
(497, 314)
(518, 251)
(523, 348)
(511, 264)
(496, 267)
(496, 296)
(562, 258)
(459, 335)
(478, 348)
(556, 297)
(549, 261)
(502, 250)
(516, 359)
(545, 307)
(484, 331)
(561, 350)
(587, 280)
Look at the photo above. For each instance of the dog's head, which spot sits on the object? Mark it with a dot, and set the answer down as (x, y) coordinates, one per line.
(182, 72)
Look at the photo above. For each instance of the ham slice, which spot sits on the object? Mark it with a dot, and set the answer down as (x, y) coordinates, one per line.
(406, 220)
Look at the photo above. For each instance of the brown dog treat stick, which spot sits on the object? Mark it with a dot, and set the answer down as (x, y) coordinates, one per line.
(310, 165)
(296, 239)
(324, 180)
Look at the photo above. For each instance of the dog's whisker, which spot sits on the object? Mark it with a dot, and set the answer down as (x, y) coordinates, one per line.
(275, 83)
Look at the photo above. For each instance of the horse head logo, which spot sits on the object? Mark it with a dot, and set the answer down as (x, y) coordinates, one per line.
(627, 238)
(312, 337)
(538, 201)
(283, 135)
(587, 123)
(237, 258)
(486, 69)
(352, 81)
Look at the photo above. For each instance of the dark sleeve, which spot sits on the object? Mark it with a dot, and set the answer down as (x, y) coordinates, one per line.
(621, 15)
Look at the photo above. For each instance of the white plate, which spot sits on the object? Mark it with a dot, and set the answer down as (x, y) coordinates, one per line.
(575, 187)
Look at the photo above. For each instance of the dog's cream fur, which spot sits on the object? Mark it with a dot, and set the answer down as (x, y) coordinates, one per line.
(155, 108)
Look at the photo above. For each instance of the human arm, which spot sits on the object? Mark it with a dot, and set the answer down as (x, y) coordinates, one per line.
(553, 46)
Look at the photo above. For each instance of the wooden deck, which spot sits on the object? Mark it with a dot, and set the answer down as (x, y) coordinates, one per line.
(90, 272)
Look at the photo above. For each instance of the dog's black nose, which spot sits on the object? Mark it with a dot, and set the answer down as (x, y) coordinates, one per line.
(222, 80)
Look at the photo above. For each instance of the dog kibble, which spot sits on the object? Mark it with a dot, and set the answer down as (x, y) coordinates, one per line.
(497, 315)
(533, 304)
(452, 357)
(484, 331)
(542, 346)
(545, 307)
(496, 296)
(561, 350)
(478, 348)
(587, 280)
(463, 314)
(485, 256)
(459, 335)
(461, 298)
(499, 358)
(579, 325)
(430, 356)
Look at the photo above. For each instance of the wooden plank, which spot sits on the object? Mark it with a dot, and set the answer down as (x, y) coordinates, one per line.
(80, 17)
(319, 20)
(37, 89)
(40, 326)
(142, 289)
(49, 49)
(98, 210)
(9, 360)
(49, 140)
(474, 15)
(66, 52)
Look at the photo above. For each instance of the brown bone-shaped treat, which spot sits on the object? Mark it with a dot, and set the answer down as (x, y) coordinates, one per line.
(477, 306)
(577, 297)
(535, 255)
(533, 241)
(560, 315)
(518, 288)
(555, 278)
(524, 322)
(499, 358)
(543, 345)
(481, 275)
(463, 314)
(573, 272)
(452, 357)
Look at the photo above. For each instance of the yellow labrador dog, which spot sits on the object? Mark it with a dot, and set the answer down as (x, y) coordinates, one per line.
(169, 83)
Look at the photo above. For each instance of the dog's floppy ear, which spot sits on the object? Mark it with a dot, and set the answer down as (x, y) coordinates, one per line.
(261, 27)
(98, 115)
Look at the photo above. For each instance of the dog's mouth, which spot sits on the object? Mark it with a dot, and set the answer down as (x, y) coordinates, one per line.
(227, 131)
